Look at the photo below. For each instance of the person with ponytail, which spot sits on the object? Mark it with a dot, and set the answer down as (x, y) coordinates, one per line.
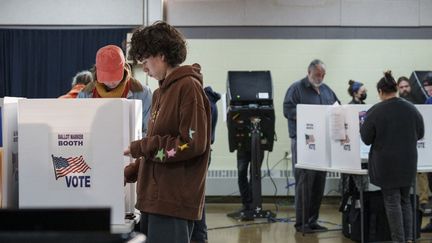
(393, 127)
(357, 91)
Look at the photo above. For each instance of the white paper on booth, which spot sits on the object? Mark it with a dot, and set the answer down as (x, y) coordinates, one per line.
(346, 152)
(337, 122)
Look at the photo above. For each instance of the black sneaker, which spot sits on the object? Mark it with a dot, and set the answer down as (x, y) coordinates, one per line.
(427, 228)
(235, 214)
(425, 208)
(246, 215)
(305, 230)
(318, 227)
(242, 214)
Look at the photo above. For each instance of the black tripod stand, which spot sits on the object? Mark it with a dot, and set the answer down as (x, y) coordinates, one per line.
(255, 210)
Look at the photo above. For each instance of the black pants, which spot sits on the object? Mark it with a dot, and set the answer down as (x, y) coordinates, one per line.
(397, 203)
(199, 233)
(245, 186)
(165, 229)
(313, 184)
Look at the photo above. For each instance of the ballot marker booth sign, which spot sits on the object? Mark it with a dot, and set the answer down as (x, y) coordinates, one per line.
(71, 153)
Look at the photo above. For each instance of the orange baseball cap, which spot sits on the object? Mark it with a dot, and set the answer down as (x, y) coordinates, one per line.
(110, 63)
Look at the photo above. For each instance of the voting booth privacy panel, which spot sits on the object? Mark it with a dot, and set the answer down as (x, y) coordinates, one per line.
(313, 144)
(329, 136)
(424, 146)
(9, 152)
(135, 133)
(71, 152)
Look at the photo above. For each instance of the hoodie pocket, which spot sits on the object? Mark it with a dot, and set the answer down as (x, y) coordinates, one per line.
(169, 179)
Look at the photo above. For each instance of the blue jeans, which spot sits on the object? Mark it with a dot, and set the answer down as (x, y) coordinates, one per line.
(397, 203)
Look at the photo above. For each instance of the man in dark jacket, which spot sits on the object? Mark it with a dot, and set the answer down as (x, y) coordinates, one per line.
(404, 91)
(309, 90)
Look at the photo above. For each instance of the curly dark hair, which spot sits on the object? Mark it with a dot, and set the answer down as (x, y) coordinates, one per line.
(158, 38)
(387, 84)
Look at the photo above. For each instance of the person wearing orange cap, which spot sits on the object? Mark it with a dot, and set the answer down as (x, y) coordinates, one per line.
(172, 160)
(113, 79)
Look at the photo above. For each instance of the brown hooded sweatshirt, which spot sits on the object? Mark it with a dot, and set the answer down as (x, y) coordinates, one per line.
(172, 173)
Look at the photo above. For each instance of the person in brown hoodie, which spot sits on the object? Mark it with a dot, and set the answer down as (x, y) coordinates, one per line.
(172, 159)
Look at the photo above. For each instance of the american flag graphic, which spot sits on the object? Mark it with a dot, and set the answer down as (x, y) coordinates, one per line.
(65, 166)
(310, 139)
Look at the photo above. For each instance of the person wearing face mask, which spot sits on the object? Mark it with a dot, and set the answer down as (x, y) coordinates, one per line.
(309, 90)
(357, 91)
(113, 79)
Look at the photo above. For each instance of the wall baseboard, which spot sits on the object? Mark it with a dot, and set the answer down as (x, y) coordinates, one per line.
(224, 183)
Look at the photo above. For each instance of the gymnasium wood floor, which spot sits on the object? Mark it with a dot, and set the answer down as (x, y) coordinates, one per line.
(223, 229)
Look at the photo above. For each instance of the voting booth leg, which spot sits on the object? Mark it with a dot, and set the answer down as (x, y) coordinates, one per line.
(256, 172)
(415, 210)
(303, 205)
(257, 211)
(361, 211)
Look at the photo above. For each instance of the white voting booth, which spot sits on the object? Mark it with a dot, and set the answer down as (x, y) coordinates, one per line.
(424, 146)
(9, 152)
(347, 153)
(328, 137)
(313, 142)
(71, 153)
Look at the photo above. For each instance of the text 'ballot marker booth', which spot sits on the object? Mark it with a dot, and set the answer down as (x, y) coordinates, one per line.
(71, 153)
